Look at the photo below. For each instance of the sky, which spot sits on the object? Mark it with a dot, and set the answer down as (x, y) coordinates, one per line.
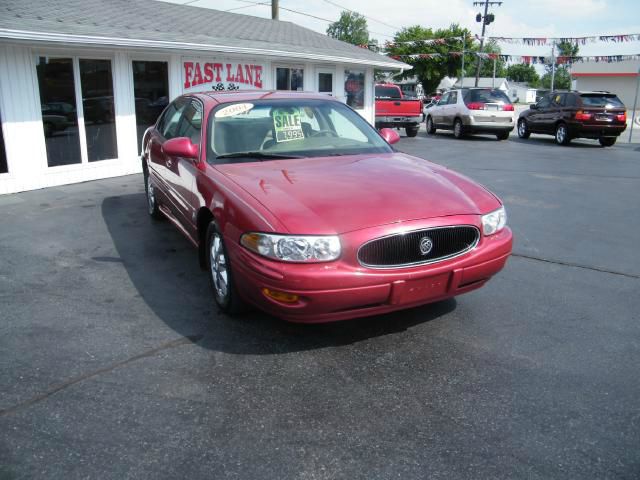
(514, 18)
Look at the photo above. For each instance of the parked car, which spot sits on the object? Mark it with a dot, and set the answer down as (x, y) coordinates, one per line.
(301, 208)
(472, 110)
(394, 110)
(568, 115)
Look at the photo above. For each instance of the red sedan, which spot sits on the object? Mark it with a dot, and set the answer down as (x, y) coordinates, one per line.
(301, 208)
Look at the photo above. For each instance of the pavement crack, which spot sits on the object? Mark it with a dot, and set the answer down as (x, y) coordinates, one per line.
(62, 386)
(576, 265)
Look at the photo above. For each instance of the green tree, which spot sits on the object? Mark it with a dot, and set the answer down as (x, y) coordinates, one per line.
(350, 28)
(523, 73)
(431, 70)
(562, 79)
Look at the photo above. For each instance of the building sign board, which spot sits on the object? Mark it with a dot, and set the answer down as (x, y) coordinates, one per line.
(200, 75)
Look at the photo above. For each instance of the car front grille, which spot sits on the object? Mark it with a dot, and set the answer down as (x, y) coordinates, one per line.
(404, 249)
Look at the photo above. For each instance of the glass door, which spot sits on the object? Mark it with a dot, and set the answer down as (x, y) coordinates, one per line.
(4, 168)
(77, 105)
(151, 91)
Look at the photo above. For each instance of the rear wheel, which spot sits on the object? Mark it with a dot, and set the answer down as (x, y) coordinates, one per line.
(221, 277)
(412, 131)
(431, 128)
(523, 129)
(607, 141)
(152, 201)
(562, 134)
(502, 136)
(458, 130)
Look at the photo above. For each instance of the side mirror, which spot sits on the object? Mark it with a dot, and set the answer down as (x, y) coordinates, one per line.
(390, 135)
(181, 147)
(534, 106)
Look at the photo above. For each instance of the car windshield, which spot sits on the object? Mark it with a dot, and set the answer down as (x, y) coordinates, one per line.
(387, 92)
(600, 100)
(267, 129)
(486, 96)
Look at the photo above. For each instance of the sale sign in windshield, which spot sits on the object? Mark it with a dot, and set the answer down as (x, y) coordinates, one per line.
(201, 75)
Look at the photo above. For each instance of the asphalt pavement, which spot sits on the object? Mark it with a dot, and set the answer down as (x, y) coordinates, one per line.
(114, 362)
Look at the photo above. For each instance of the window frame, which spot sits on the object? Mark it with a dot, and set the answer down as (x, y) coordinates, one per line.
(288, 67)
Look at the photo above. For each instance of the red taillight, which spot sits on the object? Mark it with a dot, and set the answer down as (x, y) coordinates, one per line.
(507, 108)
(580, 115)
(476, 106)
(622, 117)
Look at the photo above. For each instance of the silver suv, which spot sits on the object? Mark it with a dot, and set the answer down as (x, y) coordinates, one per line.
(472, 110)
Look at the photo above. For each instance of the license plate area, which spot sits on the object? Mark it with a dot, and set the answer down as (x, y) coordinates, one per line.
(491, 107)
(603, 118)
(422, 289)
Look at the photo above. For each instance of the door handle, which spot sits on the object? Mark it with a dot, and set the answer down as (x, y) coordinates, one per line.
(397, 104)
(169, 163)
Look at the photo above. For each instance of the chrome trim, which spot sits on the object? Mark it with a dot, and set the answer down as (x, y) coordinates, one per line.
(427, 262)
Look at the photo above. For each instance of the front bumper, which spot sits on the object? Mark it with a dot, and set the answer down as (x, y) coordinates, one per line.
(343, 289)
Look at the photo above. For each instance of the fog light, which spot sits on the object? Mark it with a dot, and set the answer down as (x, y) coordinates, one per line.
(279, 296)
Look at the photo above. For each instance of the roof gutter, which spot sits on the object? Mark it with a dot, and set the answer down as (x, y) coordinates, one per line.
(128, 42)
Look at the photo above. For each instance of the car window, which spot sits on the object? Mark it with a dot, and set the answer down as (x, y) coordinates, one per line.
(191, 123)
(544, 101)
(444, 99)
(486, 96)
(453, 98)
(601, 100)
(570, 100)
(171, 119)
(388, 92)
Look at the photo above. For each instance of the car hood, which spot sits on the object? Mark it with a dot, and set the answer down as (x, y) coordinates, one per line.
(346, 193)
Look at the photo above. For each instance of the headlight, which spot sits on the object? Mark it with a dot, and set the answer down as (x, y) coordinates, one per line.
(494, 222)
(293, 248)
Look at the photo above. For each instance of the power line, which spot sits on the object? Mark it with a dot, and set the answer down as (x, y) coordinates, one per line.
(264, 4)
(365, 16)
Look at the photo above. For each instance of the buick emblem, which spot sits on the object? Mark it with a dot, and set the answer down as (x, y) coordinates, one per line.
(425, 245)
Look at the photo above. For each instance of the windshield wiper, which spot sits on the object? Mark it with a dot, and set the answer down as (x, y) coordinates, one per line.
(259, 155)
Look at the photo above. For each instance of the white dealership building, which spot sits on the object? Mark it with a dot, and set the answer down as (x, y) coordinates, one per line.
(80, 80)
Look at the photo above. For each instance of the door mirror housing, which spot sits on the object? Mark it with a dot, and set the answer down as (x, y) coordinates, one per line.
(181, 147)
(534, 106)
(390, 135)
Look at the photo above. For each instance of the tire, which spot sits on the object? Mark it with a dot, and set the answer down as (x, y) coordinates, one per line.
(562, 134)
(431, 128)
(458, 129)
(607, 141)
(412, 131)
(523, 129)
(152, 201)
(221, 277)
(502, 136)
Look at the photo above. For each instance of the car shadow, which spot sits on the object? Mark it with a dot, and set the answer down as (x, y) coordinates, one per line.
(549, 141)
(164, 271)
(448, 135)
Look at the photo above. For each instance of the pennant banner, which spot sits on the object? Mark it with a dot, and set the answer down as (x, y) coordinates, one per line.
(527, 59)
(540, 41)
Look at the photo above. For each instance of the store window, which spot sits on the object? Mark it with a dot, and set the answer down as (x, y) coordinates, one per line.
(151, 91)
(98, 108)
(289, 78)
(354, 88)
(58, 105)
(3, 153)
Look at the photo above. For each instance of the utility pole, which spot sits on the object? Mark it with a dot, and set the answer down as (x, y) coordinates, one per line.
(275, 8)
(486, 19)
(553, 64)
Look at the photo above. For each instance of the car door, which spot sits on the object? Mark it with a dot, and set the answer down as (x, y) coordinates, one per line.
(450, 109)
(183, 171)
(161, 166)
(438, 110)
(536, 116)
(555, 111)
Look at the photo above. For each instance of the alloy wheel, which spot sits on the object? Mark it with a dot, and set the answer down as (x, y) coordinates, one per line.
(561, 134)
(219, 274)
(151, 198)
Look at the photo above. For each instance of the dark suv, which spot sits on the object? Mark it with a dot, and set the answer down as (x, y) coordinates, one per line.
(568, 115)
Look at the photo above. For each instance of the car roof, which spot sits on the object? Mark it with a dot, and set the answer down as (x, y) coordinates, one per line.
(252, 95)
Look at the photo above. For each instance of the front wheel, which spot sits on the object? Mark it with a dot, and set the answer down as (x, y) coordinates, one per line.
(458, 130)
(502, 136)
(221, 277)
(431, 128)
(562, 134)
(523, 129)
(411, 131)
(607, 141)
